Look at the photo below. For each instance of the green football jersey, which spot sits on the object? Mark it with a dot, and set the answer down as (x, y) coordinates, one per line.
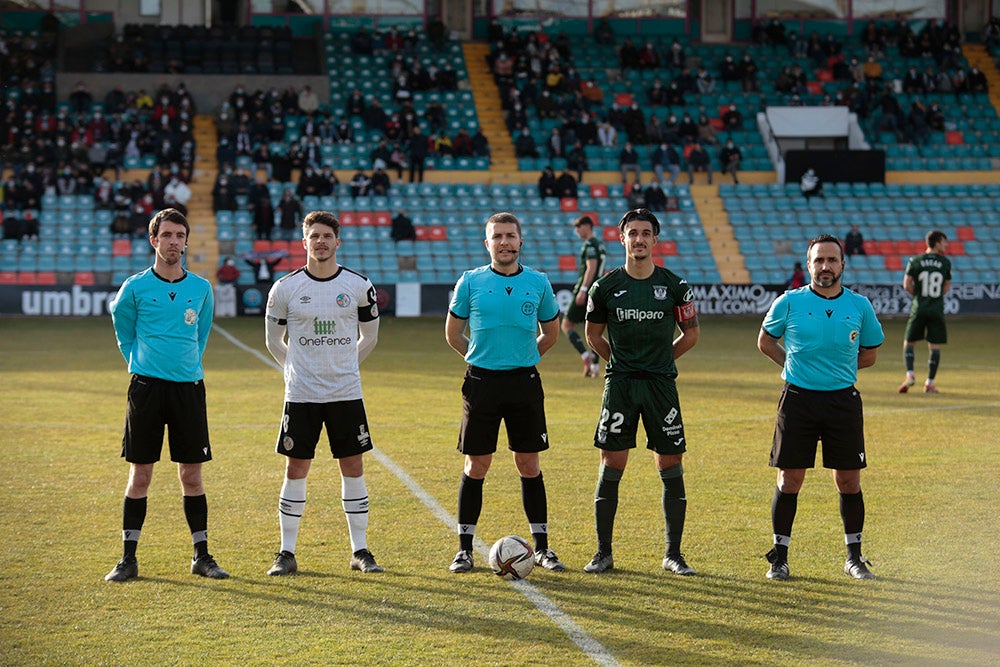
(592, 248)
(640, 319)
(930, 271)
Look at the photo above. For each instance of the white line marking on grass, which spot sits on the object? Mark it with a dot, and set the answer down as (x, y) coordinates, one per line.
(594, 649)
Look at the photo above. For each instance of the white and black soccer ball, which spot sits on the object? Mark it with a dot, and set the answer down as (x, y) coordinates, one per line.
(512, 558)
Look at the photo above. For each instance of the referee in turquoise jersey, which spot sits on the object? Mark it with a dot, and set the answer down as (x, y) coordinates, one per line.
(503, 305)
(162, 317)
(829, 333)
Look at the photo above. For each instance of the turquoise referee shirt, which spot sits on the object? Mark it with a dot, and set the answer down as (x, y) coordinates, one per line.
(822, 336)
(503, 314)
(162, 327)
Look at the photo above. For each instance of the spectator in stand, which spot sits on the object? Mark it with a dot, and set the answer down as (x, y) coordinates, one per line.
(177, 194)
(977, 82)
(706, 132)
(676, 57)
(355, 105)
(80, 100)
(361, 43)
(628, 55)
(380, 183)
(729, 69)
(525, 145)
(798, 278)
(854, 242)
(263, 213)
(935, 118)
(228, 273)
(730, 158)
(748, 74)
(289, 214)
(308, 101)
(873, 70)
(917, 130)
(603, 34)
(576, 160)
(628, 162)
(636, 196)
(417, 155)
(481, 145)
(461, 144)
(554, 144)
(547, 186)
(566, 185)
(607, 136)
(732, 119)
(402, 228)
(359, 184)
(656, 198)
(811, 185)
(704, 81)
(648, 57)
(697, 160)
(666, 158)
(223, 198)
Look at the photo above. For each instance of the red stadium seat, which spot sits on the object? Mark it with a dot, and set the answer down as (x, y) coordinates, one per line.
(121, 247)
(438, 232)
(666, 248)
(593, 215)
(569, 204)
(8, 277)
(83, 278)
(956, 248)
(262, 245)
(815, 87)
(599, 191)
(871, 248)
(894, 262)
(422, 233)
(567, 263)
(348, 218)
(366, 218)
(45, 278)
(966, 233)
(954, 138)
(27, 278)
(383, 218)
(886, 248)
(610, 234)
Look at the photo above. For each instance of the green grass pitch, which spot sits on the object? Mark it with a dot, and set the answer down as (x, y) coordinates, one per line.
(932, 493)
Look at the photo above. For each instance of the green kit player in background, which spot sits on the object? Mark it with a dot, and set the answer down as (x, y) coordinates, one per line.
(632, 315)
(592, 256)
(927, 279)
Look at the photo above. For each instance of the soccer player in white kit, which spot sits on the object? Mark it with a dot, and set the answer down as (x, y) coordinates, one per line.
(321, 323)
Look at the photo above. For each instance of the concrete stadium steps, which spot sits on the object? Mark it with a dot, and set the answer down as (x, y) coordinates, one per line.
(714, 219)
(488, 107)
(203, 248)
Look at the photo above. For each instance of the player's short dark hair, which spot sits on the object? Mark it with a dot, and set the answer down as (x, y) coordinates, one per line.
(322, 218)
(171, 215)
(825, 238)
(505, 217)
(934, 237)
(584, 220)
(639, 214)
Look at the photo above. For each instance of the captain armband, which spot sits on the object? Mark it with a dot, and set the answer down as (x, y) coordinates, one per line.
(685, 312)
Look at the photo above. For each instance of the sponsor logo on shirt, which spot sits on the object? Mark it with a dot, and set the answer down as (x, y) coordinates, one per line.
(343, 300)
(626, 314)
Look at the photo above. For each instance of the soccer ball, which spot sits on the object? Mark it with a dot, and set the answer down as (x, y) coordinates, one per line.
(512, 558)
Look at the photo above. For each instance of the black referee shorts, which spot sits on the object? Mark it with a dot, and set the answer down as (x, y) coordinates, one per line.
(155, 404)
(806, 417)
(513, 396)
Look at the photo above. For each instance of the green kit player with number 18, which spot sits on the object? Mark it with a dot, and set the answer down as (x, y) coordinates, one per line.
(927, 279)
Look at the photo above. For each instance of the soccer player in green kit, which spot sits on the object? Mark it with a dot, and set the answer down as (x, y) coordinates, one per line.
(632, 315)
(927, 279)
(592, 254)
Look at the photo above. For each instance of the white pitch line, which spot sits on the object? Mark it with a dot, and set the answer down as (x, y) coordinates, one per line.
(594, 649)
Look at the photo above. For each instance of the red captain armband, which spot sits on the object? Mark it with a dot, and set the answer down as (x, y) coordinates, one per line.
(685, 312)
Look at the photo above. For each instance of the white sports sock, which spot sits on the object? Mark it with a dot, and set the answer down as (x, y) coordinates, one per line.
(291, 505)
(354, 496)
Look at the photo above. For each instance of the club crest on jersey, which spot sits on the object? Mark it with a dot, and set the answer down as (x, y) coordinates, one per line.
(660, 292)
(287, 443)
(527, 308)
(363, 437)
(343, 300)
(190, 317)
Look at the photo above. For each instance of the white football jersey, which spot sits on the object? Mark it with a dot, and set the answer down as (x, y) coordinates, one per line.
(321, 318)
